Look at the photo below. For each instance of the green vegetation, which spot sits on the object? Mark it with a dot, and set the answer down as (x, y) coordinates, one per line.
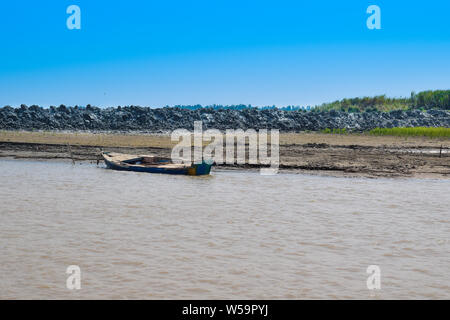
(438, 99)
(439, 132)
(335, 131)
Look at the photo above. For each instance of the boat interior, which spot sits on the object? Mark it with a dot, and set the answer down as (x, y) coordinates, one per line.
(144, 160)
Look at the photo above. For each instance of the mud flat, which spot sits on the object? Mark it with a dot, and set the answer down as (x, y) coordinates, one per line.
(351, 155)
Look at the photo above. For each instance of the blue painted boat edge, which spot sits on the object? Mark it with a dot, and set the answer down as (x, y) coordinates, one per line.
(200, 169)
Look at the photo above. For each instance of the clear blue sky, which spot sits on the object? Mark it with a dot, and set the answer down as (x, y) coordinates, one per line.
(157, 53)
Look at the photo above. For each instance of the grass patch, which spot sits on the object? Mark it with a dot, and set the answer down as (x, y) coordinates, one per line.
(334, 131)
(431, 132)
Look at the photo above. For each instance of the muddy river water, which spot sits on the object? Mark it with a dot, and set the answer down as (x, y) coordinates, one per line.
(232, 235)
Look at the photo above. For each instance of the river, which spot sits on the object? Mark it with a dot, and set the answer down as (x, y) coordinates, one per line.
(231, 235)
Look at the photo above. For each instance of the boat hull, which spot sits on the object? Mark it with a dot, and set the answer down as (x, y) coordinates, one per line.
(194, 170)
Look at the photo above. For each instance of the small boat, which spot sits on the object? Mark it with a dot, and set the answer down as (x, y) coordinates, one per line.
(152, 164)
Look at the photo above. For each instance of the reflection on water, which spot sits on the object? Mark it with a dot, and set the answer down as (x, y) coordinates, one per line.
(231, 235)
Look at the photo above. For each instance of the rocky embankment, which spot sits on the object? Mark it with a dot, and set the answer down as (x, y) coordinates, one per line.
(166, 119)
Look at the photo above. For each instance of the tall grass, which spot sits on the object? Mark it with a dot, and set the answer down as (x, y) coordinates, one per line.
(431, 132)
(439, 99)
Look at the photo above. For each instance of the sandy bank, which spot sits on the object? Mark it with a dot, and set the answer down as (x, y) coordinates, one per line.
(341, 155)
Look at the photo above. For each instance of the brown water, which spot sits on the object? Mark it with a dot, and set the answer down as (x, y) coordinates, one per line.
(231, 235)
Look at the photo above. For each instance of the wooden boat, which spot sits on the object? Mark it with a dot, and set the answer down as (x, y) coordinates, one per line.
(152, 164)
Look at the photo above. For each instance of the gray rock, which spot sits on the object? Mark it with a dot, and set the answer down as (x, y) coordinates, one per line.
(167, 119)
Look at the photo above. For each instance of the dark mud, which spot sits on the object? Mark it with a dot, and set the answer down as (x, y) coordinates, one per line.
(336, 160)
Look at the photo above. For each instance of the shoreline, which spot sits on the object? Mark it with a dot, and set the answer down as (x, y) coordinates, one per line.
(313, 153)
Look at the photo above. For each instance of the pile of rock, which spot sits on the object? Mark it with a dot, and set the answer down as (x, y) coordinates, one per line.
(135, 118)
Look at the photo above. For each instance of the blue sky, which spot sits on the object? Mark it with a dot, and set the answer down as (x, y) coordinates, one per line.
(157, 53)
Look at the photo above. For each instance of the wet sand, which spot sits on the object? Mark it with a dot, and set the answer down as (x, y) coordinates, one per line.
(349, 155)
